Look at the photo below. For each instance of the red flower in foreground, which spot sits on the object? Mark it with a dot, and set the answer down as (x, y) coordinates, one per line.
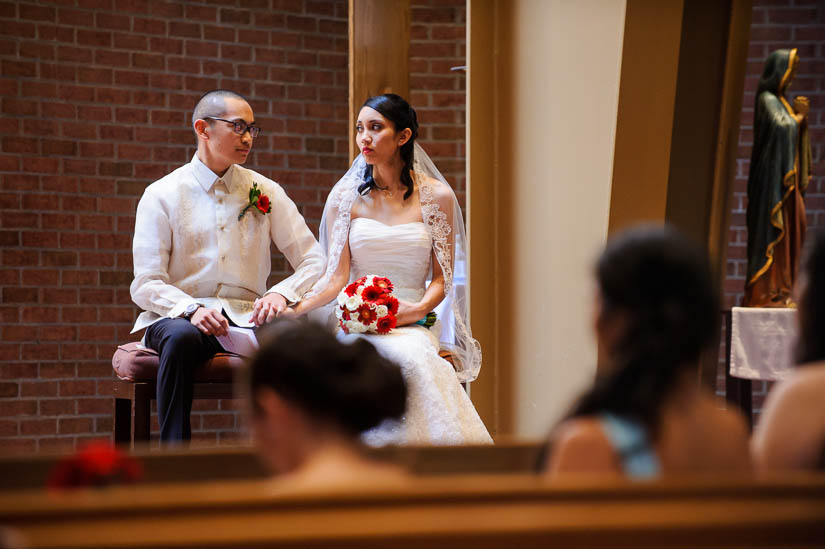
(390, 302)
(352, 288)
(345, 314)
(383, 283)
(366, 314)
(385, 324)
(263, 204)
(372, 293)
(98, 464)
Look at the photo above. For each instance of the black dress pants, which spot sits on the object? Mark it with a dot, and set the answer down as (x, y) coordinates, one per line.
(182, 349)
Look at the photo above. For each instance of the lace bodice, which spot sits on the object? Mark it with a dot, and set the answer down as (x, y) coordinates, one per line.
(402, 253)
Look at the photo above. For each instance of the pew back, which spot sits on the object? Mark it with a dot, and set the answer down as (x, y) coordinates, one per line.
(477, 511)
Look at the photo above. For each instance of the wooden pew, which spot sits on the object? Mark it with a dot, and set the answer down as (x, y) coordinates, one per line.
(472, 511)
(237, 463)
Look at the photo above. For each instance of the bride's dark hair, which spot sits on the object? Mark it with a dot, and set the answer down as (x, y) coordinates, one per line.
(395, 109)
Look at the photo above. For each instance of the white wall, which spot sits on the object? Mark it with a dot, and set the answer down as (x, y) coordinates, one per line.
(566, 64)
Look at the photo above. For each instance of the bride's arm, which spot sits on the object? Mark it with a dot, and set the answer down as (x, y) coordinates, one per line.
(336, 283)
(410, 313)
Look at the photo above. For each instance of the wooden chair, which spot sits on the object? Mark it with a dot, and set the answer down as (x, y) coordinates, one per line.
(137, 369)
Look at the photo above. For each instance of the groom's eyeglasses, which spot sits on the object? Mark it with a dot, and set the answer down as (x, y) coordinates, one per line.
(238, 126)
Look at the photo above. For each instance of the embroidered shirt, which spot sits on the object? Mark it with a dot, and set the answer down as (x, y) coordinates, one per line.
(190, 247)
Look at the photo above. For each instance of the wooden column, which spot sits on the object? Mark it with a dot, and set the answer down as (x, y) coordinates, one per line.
(644, 125)
(379, 52)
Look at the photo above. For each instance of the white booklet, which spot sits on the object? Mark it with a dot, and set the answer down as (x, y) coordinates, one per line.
(241, 341)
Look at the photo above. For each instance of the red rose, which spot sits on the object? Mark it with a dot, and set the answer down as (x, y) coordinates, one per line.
(263, 204)
(372, 293)
(345, 314)
(352, 288)
(383, 283)
(366, 314)
(385, 324)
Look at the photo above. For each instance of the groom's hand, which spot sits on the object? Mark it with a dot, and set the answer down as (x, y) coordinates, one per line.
(267, 308)
(210, 321)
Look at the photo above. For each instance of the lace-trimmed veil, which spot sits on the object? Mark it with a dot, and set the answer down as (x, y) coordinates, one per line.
(441, 215)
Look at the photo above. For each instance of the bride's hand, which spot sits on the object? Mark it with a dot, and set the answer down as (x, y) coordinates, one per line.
(408, 313)
(289, 312)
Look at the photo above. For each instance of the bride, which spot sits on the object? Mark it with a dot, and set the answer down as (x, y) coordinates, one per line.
(394, 215)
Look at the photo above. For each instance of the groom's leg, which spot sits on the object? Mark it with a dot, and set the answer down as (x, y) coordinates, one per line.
(182, 349)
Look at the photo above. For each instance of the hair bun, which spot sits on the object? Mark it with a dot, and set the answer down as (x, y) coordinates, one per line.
(348, 384)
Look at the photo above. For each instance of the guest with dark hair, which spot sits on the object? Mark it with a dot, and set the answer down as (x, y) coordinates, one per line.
(312, 396)
(791, 432)
(656, 311)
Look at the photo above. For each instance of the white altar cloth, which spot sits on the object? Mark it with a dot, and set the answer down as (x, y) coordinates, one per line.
(762, 342)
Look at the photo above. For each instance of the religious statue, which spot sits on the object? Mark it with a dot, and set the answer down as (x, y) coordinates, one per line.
(779, 174)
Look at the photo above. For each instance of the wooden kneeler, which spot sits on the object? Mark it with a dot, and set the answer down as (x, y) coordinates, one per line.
(137, 368)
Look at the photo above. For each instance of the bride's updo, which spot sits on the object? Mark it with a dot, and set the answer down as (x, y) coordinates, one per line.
(348, 385)
(395, 109)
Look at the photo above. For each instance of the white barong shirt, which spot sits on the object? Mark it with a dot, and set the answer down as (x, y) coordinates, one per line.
(190, 247)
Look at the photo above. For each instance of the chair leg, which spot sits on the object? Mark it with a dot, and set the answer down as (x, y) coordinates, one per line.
(144, 392)
(123, 420)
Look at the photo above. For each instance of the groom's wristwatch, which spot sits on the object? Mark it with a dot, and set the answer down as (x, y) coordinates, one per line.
(190, 310)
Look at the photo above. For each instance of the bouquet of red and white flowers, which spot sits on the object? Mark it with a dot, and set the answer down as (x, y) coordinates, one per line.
(367, 305)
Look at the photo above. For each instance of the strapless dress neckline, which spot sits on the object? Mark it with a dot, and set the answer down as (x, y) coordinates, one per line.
(385, 225)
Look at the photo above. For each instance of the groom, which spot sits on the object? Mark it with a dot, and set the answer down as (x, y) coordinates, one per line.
(202, 253)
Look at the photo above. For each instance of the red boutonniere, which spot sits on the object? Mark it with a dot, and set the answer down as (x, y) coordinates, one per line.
(257, 199)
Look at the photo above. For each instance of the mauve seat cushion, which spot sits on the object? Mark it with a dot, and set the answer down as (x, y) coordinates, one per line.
(134, 362)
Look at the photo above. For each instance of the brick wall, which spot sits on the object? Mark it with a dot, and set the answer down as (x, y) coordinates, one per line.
(779, 24)
(437, 43)
(96, 96)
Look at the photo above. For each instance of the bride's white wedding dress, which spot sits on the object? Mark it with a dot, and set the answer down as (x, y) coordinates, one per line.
(438, 409)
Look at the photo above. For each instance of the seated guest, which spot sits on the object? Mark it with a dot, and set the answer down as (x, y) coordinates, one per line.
(791, 432)
(312, 396)
(656, 311)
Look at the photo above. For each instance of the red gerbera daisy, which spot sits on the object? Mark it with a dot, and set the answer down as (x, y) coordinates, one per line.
(345, 314)
(366, 314)
(385, 324)
(391, 303)
(383, 283)
(372, 293)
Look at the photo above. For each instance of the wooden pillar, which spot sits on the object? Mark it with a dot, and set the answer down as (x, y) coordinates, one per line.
(379, 45)
(644, 125)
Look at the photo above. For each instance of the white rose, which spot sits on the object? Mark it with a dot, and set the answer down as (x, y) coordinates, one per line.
(381, 311)
(342, 298)
(353, 302)
(358, 327)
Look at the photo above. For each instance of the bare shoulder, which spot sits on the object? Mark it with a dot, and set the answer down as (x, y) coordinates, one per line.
(806, 382)
(441, 190)
(728, 423)
(580, 445)
(726, 436)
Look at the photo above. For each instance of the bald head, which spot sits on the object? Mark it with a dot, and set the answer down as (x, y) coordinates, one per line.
(213, 103)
